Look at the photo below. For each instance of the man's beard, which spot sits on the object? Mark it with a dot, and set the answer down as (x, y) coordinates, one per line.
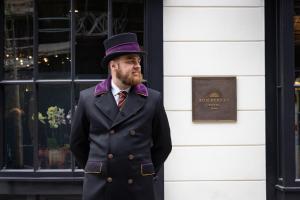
(129, 78)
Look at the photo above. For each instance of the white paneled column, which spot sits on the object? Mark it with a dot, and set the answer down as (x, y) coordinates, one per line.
(215, 160)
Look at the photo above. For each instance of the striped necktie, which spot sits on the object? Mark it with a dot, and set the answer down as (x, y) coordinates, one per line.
(122, 98)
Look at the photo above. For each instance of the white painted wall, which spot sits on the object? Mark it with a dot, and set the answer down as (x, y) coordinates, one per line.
(215, 161)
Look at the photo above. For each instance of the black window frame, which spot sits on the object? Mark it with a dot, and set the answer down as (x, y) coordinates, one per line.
(281, 181)
(153, 44)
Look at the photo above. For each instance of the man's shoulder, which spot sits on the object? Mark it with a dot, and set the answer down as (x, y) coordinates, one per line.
(88, 92)
(154, 95)
(153, 92)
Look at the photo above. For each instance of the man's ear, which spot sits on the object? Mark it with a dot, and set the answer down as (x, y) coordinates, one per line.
(112, 65)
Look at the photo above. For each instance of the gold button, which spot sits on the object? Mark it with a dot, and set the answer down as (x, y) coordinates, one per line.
(130, 181)
(130, 157)
(109, 179)
(112, 131)
(132, 132)
(110, 156)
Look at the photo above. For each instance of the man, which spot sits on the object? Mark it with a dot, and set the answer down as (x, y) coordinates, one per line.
(120, 134)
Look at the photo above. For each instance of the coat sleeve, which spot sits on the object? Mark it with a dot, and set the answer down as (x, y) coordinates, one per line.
(79, 142)
(162, 144)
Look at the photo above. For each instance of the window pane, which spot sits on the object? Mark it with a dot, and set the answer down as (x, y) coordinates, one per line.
(54, 126)
(128, 16)
(18, 126)
(91, 31)
(297, 84)
(18, 39)
(54, 39)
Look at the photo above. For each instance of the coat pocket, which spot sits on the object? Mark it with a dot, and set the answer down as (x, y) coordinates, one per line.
(147, 169)
(93, 167)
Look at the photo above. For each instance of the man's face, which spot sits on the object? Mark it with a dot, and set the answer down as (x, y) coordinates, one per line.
(128, 69)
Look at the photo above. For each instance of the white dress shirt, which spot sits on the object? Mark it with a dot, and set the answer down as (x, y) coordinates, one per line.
(115, 91)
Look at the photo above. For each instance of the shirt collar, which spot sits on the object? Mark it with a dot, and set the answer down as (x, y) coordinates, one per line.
(115, 89)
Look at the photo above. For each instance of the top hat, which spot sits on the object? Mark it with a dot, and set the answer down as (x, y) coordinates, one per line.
(121, 44)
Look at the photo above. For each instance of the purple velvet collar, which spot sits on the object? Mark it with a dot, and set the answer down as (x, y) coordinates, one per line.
(105, 86)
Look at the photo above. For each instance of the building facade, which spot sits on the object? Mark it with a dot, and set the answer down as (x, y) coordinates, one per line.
(50, 50)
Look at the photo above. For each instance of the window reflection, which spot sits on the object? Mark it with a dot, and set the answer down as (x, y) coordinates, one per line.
(18, 126)
(18, 39)
(54, 119)
(54, 62)
(91, 31)
(54, 39)
(128, 16)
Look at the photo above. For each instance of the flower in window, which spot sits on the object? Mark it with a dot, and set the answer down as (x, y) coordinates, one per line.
(56, 116)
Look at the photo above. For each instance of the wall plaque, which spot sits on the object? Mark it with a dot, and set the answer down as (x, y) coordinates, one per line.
(214, 98)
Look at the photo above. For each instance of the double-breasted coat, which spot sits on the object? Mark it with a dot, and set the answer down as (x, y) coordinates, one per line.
(120, 150)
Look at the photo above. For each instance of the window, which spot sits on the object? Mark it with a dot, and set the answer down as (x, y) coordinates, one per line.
(287, 84)
(296, 25)
(282, 99)
(52, 50)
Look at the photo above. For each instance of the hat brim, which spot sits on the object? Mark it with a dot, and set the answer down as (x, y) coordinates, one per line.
(111, 56)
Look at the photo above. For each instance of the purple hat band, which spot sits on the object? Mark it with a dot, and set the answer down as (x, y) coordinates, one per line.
(124, 47)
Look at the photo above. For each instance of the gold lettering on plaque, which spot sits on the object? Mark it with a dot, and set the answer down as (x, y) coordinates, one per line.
(213, 100)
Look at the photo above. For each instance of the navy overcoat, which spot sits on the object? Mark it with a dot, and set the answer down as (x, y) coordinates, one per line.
(120, 151)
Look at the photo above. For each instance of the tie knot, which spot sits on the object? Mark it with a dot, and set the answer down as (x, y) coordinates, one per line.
(122, 97)
(122, 94)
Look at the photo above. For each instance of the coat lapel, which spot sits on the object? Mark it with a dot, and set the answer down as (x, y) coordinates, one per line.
(106, 103)
(133, 104)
